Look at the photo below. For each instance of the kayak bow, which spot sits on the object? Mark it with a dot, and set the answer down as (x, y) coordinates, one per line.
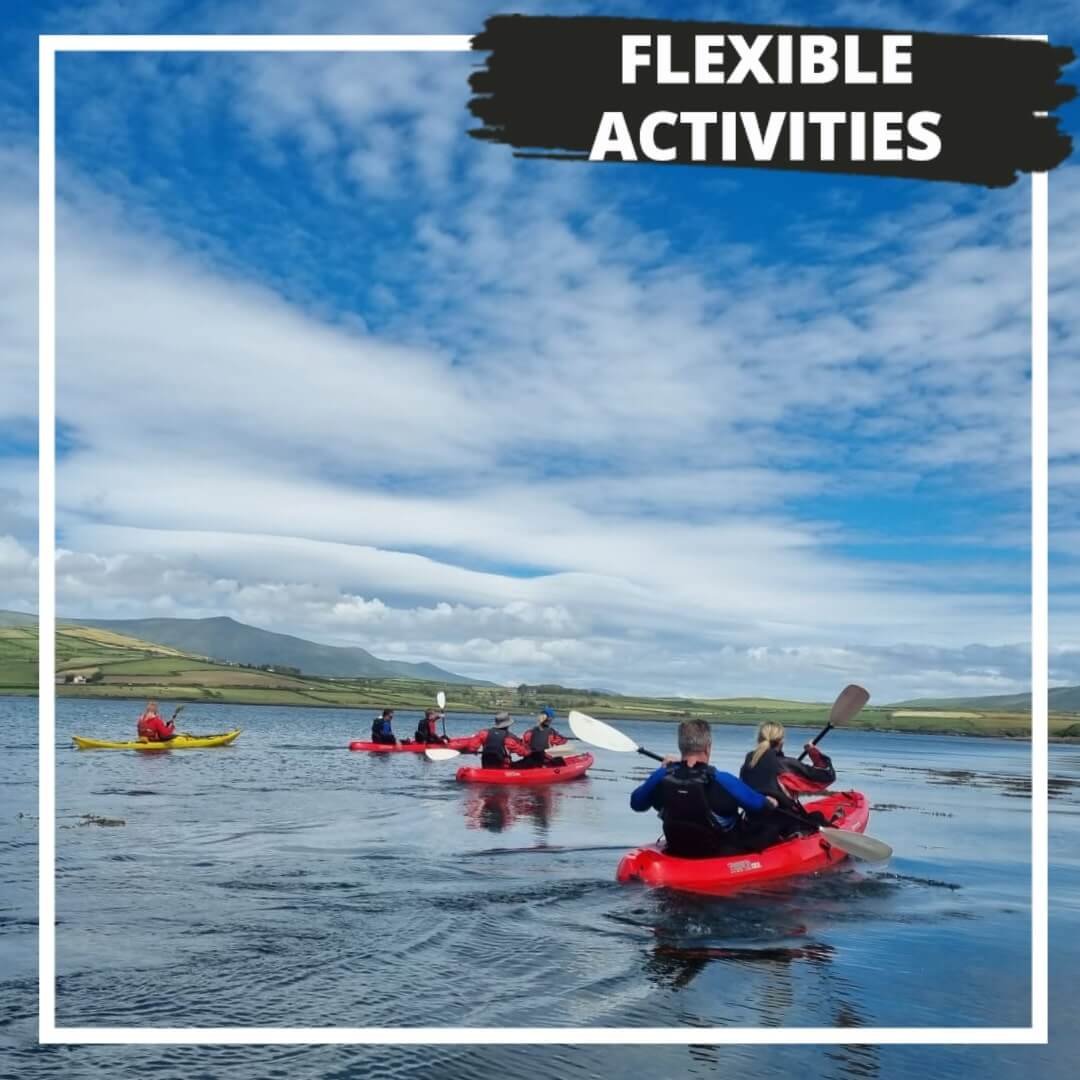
(574, 767)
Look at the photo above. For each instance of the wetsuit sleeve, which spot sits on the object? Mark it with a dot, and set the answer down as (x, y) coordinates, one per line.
(797, 777)
(516, 746)
(557, 739)
(646, 795)
(745, 796)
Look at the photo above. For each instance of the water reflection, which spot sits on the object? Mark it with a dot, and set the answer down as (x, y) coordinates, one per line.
(498, 808)
(675, 966)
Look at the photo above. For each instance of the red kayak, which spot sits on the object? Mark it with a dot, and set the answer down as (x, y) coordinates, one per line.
(574, 767)
(409, 747)
(802, 855)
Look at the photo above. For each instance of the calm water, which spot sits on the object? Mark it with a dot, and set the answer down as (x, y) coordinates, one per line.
(288, 882)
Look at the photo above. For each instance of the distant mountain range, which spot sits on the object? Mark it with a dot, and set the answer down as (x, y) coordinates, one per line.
(226, 639)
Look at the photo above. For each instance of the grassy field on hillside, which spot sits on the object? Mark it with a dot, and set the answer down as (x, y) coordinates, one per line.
(128, 669)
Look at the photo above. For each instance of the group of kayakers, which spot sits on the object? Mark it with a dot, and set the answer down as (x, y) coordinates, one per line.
(707, 812)
(495, 745)
(427, 729)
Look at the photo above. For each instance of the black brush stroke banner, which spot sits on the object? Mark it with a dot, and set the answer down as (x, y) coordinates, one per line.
(548, 81)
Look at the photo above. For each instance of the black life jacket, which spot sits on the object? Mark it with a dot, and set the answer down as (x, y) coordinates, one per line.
(764, 777)
(425, 730)
(689, 796)
(494, 749)
(539, 739)
(381, 729)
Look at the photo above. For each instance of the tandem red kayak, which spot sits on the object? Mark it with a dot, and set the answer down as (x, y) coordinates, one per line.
(574, 767)
(409, 747)
(802, 855)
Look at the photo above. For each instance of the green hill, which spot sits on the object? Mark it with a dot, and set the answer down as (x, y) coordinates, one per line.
(224, 639)
(95, 662)
(1063, 699)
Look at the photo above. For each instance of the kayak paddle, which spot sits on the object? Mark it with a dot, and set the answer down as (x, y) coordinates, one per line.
(589, 729)
(845, 708)
(857, 844)
(860, 845)
(441, 753)
(440, 700)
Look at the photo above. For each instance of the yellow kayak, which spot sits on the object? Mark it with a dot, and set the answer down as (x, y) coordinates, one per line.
(181, 742)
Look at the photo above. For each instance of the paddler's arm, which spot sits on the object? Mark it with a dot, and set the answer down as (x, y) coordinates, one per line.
(743, 794)
(644, 796)
(806, 778)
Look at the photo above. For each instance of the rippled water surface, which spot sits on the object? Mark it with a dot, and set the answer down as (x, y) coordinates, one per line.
(285, 881)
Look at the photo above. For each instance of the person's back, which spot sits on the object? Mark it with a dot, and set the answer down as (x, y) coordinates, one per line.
(761, 771)
(769, 770)
(427, 728)
(538, 740)
(382, 730)
(698, 804)
(764, 769)
(498, 742)
(699, 815)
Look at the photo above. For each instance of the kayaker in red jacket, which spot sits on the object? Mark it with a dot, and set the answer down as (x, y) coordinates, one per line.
(152, 727)
(427, 728)
(498, 744)
(538, 740)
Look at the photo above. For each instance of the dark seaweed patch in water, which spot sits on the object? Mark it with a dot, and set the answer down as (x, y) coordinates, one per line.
(124, 791)
(885, 807)
(1013, 786)
(929, 882)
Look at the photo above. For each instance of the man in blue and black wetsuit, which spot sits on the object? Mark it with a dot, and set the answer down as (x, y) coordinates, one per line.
(382, 730)
(698, 804)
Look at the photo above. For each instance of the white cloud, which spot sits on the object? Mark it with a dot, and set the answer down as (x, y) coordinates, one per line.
(593, 442)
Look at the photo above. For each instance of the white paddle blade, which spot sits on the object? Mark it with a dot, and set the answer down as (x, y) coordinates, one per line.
(862, 847)
(567, 749)
(600, 734)
(440, 700)
(441, 753)
(848, 705)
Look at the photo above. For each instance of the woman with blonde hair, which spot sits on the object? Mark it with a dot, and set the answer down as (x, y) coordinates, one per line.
(768, 770)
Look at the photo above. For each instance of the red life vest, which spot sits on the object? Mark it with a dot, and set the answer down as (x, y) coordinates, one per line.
(152, 727)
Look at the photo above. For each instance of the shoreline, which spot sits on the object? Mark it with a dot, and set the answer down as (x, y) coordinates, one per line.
(884, 728)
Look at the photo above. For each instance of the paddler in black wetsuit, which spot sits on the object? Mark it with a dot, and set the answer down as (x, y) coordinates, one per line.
(700, 805)
(767, 769)
(381, 730)
(539, 740)
(495, 753)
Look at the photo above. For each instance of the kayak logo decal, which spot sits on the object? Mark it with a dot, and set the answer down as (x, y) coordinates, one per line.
(742, 865)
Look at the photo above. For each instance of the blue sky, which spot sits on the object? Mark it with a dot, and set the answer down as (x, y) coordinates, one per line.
(330, 366)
